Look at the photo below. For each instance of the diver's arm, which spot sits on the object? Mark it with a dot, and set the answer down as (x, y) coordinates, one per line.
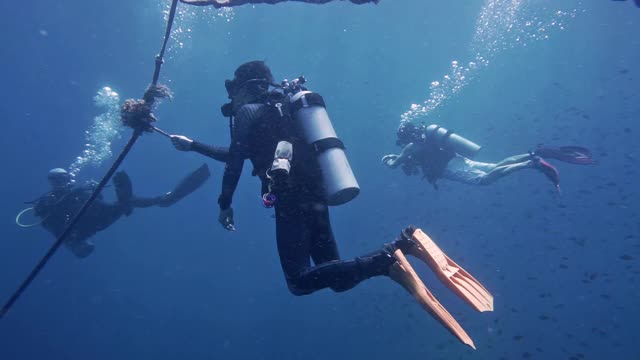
(232, 172)
(393, 161)
(219, 153)
(238, 151)
(230, 179)
(183, 143)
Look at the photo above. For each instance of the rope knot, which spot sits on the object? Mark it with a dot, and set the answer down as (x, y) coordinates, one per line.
(137, 115)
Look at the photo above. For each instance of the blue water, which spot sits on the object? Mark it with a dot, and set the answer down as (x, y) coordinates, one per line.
(171, 283)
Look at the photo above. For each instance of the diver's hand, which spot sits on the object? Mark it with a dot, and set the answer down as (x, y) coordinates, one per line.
(390, 160)
(226, 219)
(181, 143)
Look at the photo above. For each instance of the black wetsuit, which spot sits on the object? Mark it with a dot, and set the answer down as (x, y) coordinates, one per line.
(303, 228)
(57, 208)
(215, 152)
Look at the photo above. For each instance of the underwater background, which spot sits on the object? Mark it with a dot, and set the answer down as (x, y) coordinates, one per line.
(168, 283)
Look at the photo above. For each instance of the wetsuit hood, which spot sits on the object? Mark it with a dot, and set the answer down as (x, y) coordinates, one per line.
(250, 85)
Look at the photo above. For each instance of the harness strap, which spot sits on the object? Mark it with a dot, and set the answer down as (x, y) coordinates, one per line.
(308, 100)
(325, 144)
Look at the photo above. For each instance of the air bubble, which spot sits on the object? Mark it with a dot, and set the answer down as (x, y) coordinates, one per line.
(501, 25)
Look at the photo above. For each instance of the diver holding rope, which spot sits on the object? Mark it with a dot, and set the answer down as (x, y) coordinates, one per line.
(303, 170)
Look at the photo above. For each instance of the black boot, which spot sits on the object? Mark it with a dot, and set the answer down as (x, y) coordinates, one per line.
(379, 263)
(375, 264)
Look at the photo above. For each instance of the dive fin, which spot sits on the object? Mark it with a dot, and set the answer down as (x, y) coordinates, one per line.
(402, 273)
(185, 187)
(548, 170)
(450, 274)
(569, 154)
(124, 191)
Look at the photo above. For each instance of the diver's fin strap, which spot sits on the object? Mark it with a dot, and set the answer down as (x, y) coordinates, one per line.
(451, 274)
(433, 132)
(403, 273)
(325, 144)
(308, 100)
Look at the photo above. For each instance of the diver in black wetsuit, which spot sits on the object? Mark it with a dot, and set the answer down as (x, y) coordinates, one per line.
(57, 207)
(303, 228)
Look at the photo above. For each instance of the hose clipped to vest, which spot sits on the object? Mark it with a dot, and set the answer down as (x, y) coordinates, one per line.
(135, 114)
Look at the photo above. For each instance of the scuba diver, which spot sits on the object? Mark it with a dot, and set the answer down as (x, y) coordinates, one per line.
(229, 3)
(440, 153)
(288, 137)
(291, 184)
(57, 207)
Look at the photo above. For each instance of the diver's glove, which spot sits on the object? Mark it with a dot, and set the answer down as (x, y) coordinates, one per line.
(181, 143)
(390, 160)
(226, 219)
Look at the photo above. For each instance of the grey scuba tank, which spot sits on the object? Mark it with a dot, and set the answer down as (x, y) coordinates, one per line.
(308, 111)
(452, 141)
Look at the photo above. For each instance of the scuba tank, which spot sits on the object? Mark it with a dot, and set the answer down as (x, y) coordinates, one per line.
(309, 114)
(449, 140)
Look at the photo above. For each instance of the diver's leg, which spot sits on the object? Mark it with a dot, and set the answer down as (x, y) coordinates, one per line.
(297, 227)
(145, 202)
(480, 173)
(192, 182)
(106, 215)
(293, 245)
(501, 171)
(514, 159)
(80, 247)
(323, 243)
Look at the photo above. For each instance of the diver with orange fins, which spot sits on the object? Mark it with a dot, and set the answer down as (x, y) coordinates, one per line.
(443, 154)
(303, 169)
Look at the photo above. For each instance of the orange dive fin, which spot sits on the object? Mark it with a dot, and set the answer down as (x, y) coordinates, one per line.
(402, 272)
(451, 274)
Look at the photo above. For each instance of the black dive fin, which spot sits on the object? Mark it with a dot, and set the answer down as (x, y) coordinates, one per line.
(188, 185)
(124, 191)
